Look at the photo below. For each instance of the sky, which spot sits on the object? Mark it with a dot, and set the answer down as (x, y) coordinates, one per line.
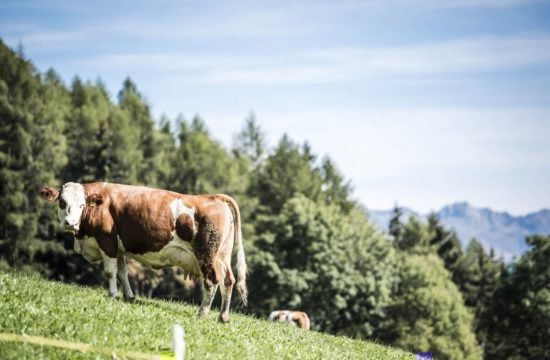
(421, 103)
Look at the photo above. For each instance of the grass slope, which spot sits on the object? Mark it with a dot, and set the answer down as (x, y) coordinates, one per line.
(33, 306)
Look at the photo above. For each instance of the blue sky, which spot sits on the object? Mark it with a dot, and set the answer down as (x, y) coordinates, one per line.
(422, 102)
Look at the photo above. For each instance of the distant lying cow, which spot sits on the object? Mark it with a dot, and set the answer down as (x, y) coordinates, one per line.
(158, 228)
(294, 318)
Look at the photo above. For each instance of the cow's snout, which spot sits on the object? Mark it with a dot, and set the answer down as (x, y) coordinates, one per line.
(69, 226)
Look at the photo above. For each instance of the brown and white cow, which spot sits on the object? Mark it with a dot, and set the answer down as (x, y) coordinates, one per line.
(158, 228)
(294, 318)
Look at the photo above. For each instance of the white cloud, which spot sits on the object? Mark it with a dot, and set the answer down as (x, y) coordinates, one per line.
(187, 26)
(471, 55)
(459, 57)
(486, 3)
(172, 22)
(436, 4)
(487, 53)
(423, 158)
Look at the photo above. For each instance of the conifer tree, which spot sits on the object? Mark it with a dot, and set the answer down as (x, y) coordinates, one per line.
(141, 121)
(251, 142)
(518, 323)
(288, 171)
(396, 227)
(477, 274)
(202, 165)
(445, 243)
(334, 187)
(165, 158)
(31, 151)
(103, 146)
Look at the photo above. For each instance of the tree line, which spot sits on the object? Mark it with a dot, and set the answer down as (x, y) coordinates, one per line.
(310, 245)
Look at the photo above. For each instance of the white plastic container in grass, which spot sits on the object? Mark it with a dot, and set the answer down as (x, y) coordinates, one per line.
(178, 342)
(178, 345)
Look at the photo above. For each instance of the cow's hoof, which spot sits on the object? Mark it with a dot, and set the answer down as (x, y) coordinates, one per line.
(202, 314)
(129, 299)
(224, 318)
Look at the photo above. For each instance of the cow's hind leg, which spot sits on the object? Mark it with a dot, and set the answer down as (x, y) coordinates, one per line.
(226, 289)
(123, 277)
(205, 247)
(208, 293)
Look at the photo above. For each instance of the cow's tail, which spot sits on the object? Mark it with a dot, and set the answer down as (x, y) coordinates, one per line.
(241, 261)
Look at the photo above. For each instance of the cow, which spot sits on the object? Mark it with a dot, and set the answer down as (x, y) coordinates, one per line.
(293, 318)
(158, 228)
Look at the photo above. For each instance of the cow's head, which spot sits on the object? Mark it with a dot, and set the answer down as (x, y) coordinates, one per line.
(278, 316)
(72, 200)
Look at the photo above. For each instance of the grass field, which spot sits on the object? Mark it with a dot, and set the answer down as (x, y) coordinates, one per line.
(33, 306)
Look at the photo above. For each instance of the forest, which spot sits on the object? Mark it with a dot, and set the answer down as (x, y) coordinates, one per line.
(310, 245)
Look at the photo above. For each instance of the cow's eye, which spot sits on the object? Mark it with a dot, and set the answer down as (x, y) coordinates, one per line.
(62, 204)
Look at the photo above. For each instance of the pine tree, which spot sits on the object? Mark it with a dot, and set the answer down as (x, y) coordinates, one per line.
(141, 121)
(477, 274)
(165, 159)
(202, 165)
(103, 146)
(31, 151)
(416, 237)
(396, 227)
(251, 143)
(445, 242)
(288, 171)
(518, 323)
(334, 188)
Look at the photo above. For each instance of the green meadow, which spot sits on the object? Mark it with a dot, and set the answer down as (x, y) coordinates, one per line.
(30, 305)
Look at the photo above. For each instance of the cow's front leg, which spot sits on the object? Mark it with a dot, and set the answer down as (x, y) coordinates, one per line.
(209, 290)
(122, 272)
(110, 270)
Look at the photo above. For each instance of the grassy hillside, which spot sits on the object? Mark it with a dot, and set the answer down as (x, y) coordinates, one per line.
(33, 306)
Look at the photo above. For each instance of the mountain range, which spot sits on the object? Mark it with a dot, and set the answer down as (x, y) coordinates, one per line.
(500, 231)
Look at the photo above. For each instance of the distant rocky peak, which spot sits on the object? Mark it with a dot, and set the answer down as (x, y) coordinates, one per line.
(458, 209)
(501, 231)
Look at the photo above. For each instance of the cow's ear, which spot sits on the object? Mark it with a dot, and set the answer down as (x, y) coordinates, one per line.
(94, 200)
(49, 193)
